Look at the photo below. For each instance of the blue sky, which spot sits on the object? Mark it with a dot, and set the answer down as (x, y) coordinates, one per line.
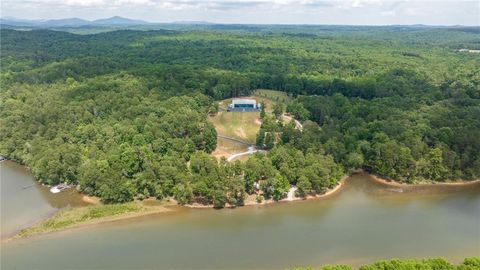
(351, 12)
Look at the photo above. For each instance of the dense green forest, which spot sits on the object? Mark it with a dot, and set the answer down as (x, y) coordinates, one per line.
(426, 264)
(124, 113)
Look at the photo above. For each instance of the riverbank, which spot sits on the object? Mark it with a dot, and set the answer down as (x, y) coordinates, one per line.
(75, 217)
(361, 216)
(251, 200)
(393, 183)
(426, 263)
(97, 213)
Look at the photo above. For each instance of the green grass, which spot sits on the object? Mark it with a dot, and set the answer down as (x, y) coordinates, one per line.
(273, 95)
(109, 210)
(71, 216)
(240, 125)
(225, 148)
(245, 125)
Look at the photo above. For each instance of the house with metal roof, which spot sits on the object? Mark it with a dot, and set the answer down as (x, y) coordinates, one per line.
(243, 105)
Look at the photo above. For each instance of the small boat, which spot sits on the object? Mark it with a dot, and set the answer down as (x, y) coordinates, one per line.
(59, 188)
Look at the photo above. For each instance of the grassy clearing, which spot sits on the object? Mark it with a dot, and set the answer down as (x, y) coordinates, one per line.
(239, 125)
(226, 148)
(75, 216)
(273, 95)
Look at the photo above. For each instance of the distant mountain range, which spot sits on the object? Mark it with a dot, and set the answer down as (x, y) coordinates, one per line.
(117, 21)
(72, 22)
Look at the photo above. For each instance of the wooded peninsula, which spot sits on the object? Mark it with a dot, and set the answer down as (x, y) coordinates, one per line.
(124, 114)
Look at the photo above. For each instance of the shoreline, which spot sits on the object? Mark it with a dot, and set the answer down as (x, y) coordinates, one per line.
(138, 209)
(144, 209)
(393, 183)
(35, 230)
(250, 200)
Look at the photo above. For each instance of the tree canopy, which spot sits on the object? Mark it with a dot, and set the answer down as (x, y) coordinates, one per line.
(123, 114)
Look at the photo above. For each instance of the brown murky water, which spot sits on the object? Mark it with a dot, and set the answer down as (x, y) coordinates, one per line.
(24, 201)
(364, 222)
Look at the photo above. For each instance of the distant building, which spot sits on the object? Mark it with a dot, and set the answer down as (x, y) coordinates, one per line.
(468, 50)
(243, 105)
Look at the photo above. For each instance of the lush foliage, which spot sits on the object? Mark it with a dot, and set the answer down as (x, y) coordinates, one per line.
(426, 264)
(123, 113)
(111, 135)
(420, 136)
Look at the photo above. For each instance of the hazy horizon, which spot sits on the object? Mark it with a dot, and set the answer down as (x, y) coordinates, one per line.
(227, 23)
(311, 12)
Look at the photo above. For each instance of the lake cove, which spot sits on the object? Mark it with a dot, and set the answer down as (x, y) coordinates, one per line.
(25, 201)
(363, 222)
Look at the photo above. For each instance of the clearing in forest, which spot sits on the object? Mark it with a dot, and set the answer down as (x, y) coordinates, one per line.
(243, 126)
(238, 125)
(226, 148)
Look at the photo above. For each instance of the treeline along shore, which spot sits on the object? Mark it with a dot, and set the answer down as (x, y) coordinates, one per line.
(123, 115)
(97, 213)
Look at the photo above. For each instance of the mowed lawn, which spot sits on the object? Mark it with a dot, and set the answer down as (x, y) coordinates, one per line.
(243, 125)
(226, 148)
(239, 125)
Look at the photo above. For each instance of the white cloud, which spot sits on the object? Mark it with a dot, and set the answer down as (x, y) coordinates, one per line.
(256, 11)
(82, 3)
(388, 13)
(362, 3)
(134, 2)
(414, 12)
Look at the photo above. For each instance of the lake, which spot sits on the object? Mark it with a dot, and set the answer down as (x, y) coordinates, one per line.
(363, 222)
(24, 201)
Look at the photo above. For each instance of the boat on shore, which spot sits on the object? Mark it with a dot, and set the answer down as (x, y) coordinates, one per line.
(59, 188)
